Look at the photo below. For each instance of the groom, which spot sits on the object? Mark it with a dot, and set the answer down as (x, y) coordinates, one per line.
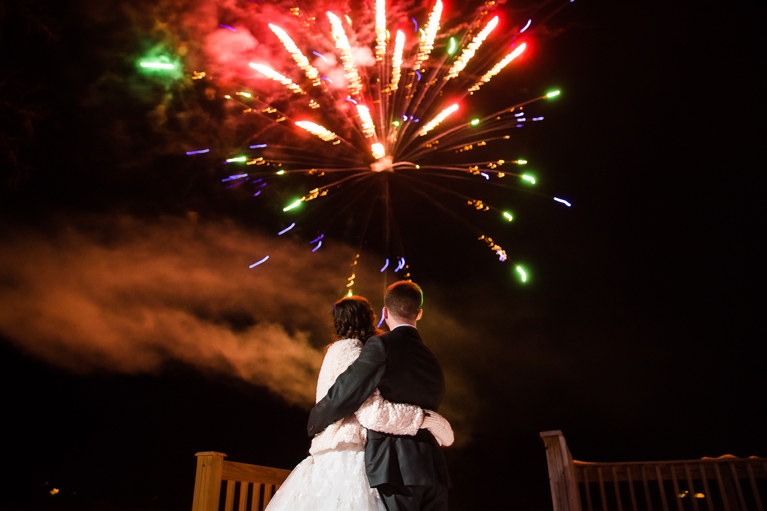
(409, 472)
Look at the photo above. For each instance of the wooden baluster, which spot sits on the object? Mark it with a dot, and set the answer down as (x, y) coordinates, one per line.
(647, 496)
(709, 496)
(692, 491)
(243, 500)
(229, 502)
(256, 498)
(602, 493)
(677, 491)
(617, 488)
(736, 483)
(269, 492)
(754, 487)
(722, 488)
(662, 488)
(587, 488)
(632, 494)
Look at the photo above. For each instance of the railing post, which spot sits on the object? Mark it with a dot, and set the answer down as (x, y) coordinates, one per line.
(207, 481)
(564, 487)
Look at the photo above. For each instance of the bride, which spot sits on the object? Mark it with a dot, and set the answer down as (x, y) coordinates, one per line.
(333, 477)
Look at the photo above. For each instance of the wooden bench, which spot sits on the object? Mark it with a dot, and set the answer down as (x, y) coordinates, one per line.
(250, 486)
(727, 483)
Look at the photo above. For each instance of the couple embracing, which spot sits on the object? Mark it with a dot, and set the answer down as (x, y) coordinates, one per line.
(377, 438)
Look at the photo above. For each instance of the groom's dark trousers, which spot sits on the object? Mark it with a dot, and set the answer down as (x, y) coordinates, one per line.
(409, 471)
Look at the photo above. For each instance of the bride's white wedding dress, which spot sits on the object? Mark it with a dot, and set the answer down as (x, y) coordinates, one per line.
(333, 477)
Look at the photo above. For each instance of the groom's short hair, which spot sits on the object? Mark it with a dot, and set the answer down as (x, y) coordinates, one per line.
(404, 299)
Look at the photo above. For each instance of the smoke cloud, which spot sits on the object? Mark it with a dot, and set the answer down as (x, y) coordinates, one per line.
(125, 295)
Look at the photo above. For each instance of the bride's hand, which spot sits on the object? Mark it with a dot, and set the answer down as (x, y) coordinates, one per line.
(439, 427)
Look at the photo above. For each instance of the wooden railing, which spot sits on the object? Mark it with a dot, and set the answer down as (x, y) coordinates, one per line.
(707, 484)
(250, 486)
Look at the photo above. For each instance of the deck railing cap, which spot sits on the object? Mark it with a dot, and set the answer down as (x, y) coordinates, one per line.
(210, 453)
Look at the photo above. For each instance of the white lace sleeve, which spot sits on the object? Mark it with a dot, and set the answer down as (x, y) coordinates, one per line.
(376, 413)
(384, 416)
(339, 356)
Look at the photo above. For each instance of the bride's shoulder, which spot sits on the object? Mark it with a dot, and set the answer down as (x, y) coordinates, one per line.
(345, 343)
(343, 346)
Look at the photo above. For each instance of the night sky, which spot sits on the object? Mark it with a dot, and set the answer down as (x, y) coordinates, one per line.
(133, 334)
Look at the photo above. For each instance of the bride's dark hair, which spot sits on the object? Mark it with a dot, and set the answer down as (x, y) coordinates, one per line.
(354, 318)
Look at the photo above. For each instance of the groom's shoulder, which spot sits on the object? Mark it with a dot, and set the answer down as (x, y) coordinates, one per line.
(388, 337)
(393, 337)
(401, 338)
(376, 346)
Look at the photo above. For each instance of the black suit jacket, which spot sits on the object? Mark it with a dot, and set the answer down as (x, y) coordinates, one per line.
(404, 370)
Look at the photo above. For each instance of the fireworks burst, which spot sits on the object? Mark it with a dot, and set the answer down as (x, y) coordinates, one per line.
(357, 106)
